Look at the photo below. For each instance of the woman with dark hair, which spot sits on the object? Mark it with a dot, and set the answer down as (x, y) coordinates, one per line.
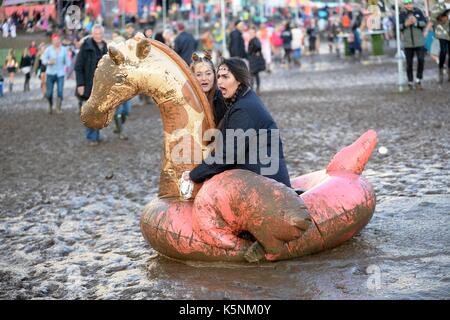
(203, 69)
(246, 117)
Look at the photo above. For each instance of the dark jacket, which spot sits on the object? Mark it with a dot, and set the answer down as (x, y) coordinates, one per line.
(248, 112)
(185, 45)
(86, 63)
(255, 57)
(26, 61)
(286, 35)
(413, 34)
(237, 45)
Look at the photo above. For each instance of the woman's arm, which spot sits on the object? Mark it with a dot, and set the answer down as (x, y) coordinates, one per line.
(45, 56)
(238, 119)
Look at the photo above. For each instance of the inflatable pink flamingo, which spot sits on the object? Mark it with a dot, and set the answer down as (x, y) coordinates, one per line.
(236, 215)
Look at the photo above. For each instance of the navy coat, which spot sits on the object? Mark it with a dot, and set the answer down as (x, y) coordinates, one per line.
(237, 45)
(185, 46)
(248, 112)
(86, 63)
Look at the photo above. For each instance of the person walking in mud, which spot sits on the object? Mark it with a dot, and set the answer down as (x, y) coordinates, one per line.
(26, 63)
(312, 32)
(57, 60)
(236, 44)
(256, 59)
(286, 35)
(40, 69)
(33, 51)
(412, 23)
(297, 44)
(11, 66)
(185, 44)
(440, 19)
(123, 111)
(91, 51)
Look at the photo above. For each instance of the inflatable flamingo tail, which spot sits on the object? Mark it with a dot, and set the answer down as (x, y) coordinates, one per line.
(354, 157)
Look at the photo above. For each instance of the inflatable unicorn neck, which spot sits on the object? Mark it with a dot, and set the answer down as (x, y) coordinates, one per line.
(148, 67)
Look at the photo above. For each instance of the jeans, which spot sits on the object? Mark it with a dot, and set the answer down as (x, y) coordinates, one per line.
(445, 49)
(124, 109)
(409, 53)
(92, 134)
(51, 79)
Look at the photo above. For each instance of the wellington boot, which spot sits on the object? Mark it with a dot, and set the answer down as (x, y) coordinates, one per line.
(441, 76)
(58, 105)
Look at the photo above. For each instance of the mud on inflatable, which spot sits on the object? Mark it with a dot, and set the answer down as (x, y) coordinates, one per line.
(236, 215)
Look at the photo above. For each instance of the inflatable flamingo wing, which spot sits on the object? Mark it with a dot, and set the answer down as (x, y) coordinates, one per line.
(236, 215)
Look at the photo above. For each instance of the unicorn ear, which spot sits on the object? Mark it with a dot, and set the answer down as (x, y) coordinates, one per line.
(207, 54)
(116, 56)
(143, 48)
(195, 56)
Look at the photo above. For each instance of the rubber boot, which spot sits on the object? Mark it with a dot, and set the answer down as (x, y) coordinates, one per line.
(441, 76)
(121, 135)
(58, 105)
(118, 122)
(50, 105)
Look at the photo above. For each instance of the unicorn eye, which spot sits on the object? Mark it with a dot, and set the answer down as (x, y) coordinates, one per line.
(120, 78)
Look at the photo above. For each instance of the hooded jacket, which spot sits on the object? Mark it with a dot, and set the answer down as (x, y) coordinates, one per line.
(413, 34)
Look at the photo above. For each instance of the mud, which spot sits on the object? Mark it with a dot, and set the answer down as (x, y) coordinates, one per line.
(69, 212)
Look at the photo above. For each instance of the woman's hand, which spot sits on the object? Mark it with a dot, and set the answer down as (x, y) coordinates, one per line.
(80, 90)
(186, 186)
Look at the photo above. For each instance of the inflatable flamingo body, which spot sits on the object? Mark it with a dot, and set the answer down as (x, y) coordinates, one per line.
(337, 204)
(236, 215)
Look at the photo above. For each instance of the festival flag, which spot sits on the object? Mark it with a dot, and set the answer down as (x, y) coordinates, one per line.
(128, 6)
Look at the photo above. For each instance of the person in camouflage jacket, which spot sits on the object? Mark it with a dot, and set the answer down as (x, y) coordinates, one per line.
(440, 19)
(412, 24)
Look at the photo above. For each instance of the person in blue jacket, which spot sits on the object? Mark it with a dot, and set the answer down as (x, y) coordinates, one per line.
(248, 126)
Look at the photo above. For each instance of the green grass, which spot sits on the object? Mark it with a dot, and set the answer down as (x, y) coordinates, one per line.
(4, 53)
(22, 41)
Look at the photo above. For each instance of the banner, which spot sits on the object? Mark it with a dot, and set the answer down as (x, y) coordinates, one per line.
(16, 2)
(128, 6)
(94, 7)
(144, 7)
(47, 9)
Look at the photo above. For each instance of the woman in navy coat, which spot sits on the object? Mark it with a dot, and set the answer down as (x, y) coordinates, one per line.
(247, 126)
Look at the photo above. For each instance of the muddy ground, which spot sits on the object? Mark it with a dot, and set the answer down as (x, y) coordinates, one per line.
(69, 212)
